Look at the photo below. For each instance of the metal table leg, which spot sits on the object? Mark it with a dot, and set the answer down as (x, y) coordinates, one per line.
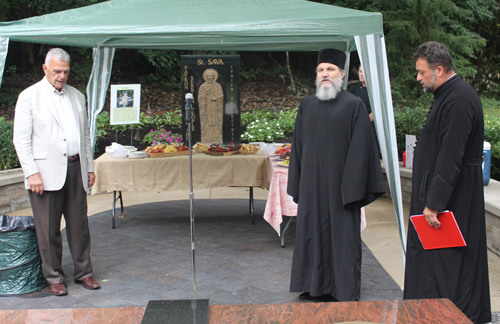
(284, 231)
(114, 205)
(251, 204)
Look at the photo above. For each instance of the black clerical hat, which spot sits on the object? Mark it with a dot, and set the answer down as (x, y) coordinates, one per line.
(333, 56)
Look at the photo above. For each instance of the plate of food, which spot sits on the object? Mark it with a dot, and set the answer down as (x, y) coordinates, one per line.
(284, 163)
(223, 150)
(201, 148)
(283, 152)
(166, 150)
(249, 148)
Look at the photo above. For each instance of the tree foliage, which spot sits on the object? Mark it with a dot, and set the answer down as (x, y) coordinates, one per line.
(409, 23)
(21, 9)
(11, 10)
(469, 28)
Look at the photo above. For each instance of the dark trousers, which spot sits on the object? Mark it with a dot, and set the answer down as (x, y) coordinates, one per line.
(48, 208)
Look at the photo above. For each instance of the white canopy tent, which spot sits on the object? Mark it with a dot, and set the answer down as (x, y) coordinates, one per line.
(244, 25)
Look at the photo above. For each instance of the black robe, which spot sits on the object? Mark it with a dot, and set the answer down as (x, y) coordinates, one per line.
(447, 175)
(334, 171)
(361, 91)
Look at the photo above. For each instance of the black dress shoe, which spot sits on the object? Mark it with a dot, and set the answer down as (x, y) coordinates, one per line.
(305, 296)
(319, 299)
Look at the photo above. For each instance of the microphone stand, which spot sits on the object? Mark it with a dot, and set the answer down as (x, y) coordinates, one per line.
(177, 311)
(189, 109)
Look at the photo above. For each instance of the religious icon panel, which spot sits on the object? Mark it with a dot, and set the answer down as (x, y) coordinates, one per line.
(214, 82)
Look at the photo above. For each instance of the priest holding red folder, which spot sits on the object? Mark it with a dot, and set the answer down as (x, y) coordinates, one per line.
(447, 175)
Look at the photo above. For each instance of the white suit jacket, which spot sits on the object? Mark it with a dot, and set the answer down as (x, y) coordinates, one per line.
(39, 138)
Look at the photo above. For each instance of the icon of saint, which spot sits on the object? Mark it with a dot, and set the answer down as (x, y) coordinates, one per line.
(211, 105)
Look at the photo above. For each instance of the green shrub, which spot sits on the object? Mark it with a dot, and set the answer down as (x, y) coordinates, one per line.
(262, 131)
(491, 107)
(165, 66)
(9, 96)
(492, 135)
(287, 120)
(495, 161)
(268, 125)
(409, 121)
(8, 156)
(250, 117)
(103, 126)
(250, 75)
(158, 121)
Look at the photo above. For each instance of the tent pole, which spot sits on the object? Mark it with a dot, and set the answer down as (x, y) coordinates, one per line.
(4, 48)
(346, 65)
(372, 54)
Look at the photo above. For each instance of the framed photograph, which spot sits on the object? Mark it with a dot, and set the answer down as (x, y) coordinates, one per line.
(125, 104)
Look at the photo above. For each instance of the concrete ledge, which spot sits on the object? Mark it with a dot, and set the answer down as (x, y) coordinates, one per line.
(13, 196)
(11, 176)
(491, 204)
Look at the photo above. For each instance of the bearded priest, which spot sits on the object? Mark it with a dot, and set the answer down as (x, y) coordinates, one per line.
(334, 171)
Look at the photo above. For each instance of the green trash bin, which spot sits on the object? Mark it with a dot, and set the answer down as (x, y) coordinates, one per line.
(20, 263)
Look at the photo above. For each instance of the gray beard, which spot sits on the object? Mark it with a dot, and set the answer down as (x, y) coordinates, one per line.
(329, 92)
(431, 87)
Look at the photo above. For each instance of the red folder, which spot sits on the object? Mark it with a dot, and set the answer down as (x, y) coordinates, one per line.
(449, 235)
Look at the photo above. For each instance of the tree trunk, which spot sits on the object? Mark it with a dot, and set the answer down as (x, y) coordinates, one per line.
(292, 87)
(33, 60)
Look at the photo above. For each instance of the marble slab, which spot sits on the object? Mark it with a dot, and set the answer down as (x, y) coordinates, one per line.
(386, 312)
(129, 315)
(423, 311)
(186, 311)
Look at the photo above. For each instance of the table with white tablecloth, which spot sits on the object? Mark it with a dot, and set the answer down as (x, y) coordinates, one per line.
(172, 173)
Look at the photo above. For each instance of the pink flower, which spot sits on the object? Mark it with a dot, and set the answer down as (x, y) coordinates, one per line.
(161, 137)
(154, 142)
(151, 131)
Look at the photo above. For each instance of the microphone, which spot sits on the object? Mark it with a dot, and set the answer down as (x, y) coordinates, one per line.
(189, 106)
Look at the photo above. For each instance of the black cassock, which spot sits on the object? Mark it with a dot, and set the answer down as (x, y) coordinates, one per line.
(334, 171)
(447, 175)
(360, 91)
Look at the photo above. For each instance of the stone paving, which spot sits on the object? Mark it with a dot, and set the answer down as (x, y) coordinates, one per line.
(148, 257)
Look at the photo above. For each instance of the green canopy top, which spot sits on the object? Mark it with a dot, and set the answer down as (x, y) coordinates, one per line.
(256, 25)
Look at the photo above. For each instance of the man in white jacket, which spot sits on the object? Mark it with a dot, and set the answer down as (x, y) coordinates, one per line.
(52, 141)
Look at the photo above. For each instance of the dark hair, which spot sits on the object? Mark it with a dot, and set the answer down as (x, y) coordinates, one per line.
(435, 54)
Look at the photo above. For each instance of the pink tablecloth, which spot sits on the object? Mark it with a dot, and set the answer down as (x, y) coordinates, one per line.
(279, 203)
